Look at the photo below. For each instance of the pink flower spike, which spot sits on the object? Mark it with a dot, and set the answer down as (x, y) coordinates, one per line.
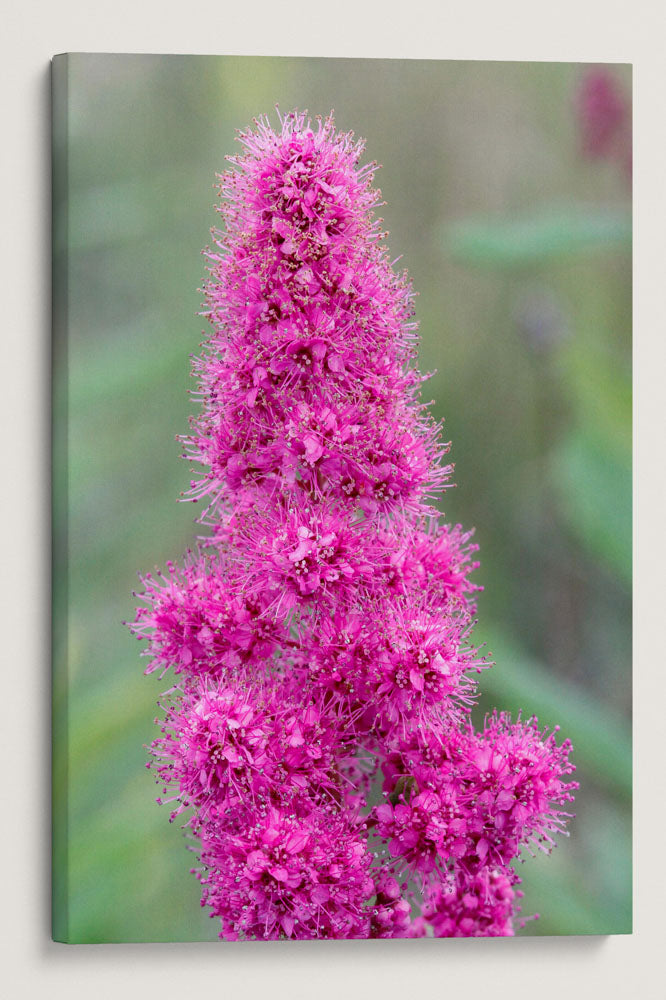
(317, 739)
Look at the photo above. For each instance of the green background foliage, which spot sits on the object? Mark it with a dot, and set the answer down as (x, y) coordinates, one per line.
(520, 252)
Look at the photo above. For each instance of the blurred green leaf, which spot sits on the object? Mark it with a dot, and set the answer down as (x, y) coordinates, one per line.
(552, 232)
(128, 210)
(584, 887)
(600, 383)
(594, 487)
(142, 864)
(125, 362)
(601, 738)
(565, 904)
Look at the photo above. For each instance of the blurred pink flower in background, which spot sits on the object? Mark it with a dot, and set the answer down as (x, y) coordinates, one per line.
(604, 116)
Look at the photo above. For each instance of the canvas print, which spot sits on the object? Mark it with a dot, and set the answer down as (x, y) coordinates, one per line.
(379, 703)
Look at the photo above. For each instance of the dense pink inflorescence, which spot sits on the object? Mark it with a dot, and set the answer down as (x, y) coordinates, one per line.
(318, 737)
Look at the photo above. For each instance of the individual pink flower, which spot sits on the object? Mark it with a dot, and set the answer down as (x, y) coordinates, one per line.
(197, 623)
(215, 747)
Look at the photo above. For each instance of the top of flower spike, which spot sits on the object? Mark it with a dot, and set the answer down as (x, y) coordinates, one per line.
(301, 191)
(303, 150)
(308, 377)
(300, 137)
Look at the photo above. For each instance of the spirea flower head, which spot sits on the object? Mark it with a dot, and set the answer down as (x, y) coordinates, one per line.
(288, 876)
(481, 906)
(320, 640)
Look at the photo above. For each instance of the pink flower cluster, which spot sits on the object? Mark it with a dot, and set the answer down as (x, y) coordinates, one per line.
(318, 737)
